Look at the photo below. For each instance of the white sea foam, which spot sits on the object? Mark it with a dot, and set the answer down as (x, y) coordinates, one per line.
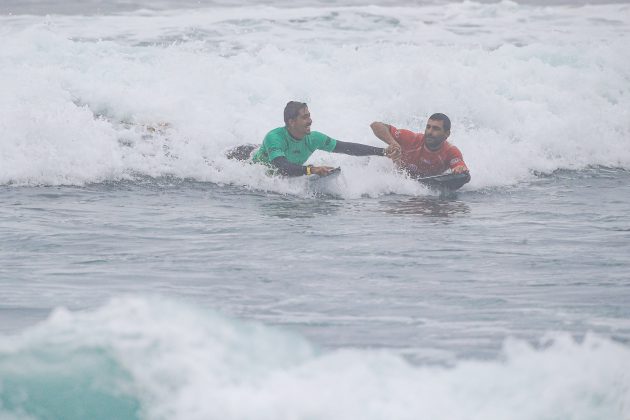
(178, 362)
(528, 89)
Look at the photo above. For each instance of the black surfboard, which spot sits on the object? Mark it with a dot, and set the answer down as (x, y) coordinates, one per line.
(449, 182)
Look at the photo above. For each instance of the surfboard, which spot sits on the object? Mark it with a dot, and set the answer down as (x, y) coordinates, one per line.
(326, 185)
(449, 182)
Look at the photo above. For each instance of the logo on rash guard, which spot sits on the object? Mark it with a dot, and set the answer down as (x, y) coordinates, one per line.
(454, 161)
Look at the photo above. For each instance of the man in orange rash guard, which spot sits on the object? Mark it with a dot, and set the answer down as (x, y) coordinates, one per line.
(424, 154)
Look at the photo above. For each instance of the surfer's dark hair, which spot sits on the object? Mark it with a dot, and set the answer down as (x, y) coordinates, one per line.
(446, 121)
(292, 110)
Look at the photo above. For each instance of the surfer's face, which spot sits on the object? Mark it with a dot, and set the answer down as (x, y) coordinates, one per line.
(434, 134)
(300, 126)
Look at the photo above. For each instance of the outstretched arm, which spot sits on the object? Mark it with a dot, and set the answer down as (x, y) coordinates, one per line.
(356, 149)
(381, 130)
(291, 169)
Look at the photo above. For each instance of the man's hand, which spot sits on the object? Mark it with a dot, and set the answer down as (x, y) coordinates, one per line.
(321, 170)
(393, 151)
(381, 130)
(460, 169)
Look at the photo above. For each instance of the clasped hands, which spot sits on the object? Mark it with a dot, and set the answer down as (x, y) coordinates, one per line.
(393, 152)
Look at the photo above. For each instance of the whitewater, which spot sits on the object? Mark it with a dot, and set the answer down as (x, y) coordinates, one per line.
(143, 275)
(527, 87)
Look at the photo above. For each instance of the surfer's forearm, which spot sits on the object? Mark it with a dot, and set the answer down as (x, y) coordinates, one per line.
(287, 168)
(356, 149)
(381, 130)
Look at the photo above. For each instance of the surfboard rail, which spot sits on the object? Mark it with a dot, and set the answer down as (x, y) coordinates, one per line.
(449, 181)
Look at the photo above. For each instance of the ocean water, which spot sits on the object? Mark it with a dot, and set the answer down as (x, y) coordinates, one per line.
(145, 276)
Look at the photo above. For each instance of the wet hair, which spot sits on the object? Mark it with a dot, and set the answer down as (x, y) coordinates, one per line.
(292, 110)
(446, 122)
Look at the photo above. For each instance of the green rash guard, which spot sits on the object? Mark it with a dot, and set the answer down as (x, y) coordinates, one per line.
(279, 142)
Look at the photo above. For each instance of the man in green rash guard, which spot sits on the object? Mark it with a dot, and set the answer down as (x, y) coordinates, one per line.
(288, 148)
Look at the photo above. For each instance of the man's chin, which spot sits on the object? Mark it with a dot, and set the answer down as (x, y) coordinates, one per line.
(433, 144)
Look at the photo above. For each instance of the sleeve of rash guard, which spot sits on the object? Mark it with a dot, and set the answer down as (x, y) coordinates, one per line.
(287, 168)
(274, 146)
(455, 158)
(320, 141)
(402, 137)
(356, 149)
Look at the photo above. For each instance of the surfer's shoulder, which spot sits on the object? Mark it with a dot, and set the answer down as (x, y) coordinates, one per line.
(280, 131)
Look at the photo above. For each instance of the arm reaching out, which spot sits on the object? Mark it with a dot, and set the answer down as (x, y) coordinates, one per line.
(381, 131)
(291, 169)
(357, 149)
